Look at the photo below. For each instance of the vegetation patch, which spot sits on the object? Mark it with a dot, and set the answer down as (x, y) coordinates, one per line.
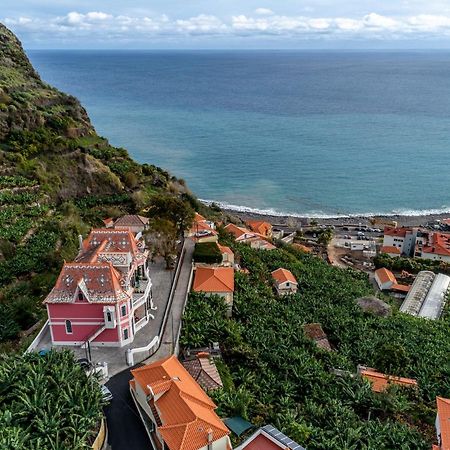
(279, 376)
(47, 402)
(208, 253)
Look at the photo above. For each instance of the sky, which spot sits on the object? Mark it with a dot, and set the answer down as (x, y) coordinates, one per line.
(233, 24)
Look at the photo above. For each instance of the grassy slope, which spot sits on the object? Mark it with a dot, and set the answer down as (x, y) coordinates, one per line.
(57, 179)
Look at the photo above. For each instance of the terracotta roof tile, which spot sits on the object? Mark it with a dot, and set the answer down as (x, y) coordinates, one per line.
(390, 249)
(225, 249)
(259, 226)
(385, 275)
(241, 232)
(439, 244)
(283, 275)
(443, 409)
(214, 279)
(380, 382)
(186, 412)
(399, 232)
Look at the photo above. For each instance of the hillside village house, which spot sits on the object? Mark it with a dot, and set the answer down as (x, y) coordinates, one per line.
(241, 234)
(136, 224)
(202, 368)
(227, 255)
(392, 251)
(104, 297)
(269, 438)
(260, 227)
(380, 381)
(247, 236)
(434, 246)
(284, 282)
(202, 230)
(386, 281)
(176, 412)
(404, 239)
(442, 424)
(216, 281)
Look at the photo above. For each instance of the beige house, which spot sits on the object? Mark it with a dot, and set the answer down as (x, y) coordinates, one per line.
(284, 282)
(216, 281)
(227, 255)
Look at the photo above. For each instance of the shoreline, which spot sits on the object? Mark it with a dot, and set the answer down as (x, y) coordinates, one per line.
(299, 220)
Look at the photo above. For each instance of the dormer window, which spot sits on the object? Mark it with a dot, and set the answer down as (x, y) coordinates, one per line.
(80, 296)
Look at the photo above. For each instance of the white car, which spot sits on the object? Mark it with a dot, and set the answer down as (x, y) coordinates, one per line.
(107, 394)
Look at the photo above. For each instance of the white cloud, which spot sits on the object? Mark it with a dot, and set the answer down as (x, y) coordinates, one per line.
(201, 24)
(103, 26)
(263, 12)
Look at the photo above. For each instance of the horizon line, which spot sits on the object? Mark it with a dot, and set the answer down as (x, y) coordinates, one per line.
(227, 49)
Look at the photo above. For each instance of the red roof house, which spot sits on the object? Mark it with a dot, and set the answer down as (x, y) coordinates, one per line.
(182, 415)
(443, 423)
(284, 281)
(380, 381)
(215, 281)
(104, 296)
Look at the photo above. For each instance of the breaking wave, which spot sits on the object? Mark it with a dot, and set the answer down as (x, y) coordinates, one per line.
(323, 215)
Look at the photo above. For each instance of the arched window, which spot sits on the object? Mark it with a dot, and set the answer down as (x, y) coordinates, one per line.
(108, 316)
(68, 327)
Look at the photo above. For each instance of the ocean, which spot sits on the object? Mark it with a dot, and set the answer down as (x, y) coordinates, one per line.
(311, 133)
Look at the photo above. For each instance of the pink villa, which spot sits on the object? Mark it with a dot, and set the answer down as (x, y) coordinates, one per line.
(104, 297)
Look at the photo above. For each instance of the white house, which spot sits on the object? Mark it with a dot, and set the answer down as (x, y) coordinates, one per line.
(284, 281)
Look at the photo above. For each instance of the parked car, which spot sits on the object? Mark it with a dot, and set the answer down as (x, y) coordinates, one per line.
(107, 394)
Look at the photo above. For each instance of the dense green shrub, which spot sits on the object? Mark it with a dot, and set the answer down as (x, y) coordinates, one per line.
(208, 253)
(279, 376)
(47, 402)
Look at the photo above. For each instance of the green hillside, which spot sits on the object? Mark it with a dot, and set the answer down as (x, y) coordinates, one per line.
(58, 178)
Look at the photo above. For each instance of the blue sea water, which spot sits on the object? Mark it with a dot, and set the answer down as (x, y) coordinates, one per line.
(309, 133)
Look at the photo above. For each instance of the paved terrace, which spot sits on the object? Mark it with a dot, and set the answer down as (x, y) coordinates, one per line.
(116, 356)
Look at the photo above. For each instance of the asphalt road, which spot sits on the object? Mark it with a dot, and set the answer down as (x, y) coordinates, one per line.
(125, 429)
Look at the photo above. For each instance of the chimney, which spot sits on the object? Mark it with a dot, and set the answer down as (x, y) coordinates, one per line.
(80, 242)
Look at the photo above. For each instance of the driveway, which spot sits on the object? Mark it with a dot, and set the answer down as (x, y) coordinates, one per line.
(125, 429)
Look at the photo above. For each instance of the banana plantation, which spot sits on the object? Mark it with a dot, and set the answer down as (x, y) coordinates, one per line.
(47, 403)
(273, 373)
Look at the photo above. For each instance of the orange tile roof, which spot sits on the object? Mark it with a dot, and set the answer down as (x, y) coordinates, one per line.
(186, 412)
(390, 249)
(303, 248)
(239, 232)
(400, 287)
(202, 226)
(380, 382)
(198, 217)
(259, 226)
(399, 232)
(283, 275)
(385, 275)
(214, 279)
(439, 244)
(225, 249)
(443, 409)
